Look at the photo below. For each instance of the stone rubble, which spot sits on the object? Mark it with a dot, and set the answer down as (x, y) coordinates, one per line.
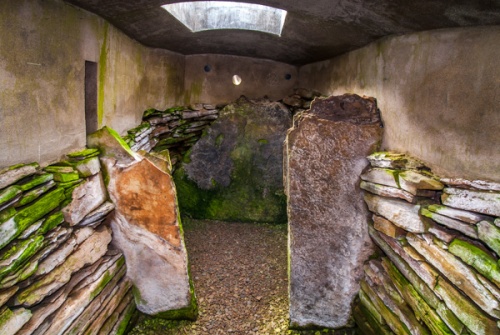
(55, 258)
(440, 271)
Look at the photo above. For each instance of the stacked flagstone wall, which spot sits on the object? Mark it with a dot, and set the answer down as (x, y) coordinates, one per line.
(441, 242)
(58, 274)
(175, 129)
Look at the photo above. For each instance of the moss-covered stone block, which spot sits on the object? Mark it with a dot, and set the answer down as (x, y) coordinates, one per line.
(234, 172)
(11, 228)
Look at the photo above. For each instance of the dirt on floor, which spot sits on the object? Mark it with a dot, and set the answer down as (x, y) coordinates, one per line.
(240, 278)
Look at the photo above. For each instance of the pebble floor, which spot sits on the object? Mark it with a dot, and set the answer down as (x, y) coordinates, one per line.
(240, 277)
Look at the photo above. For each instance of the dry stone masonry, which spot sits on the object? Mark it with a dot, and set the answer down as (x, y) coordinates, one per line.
(175, 129)
(328, 238)
(58, 274)
(441, 242)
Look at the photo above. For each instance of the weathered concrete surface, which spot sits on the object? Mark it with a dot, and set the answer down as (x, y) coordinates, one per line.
(146, 227)
(235, 171)
(42, 57)
(328, 238)
(438, 93)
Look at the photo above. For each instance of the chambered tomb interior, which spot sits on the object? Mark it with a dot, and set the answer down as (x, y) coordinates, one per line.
(267, 167)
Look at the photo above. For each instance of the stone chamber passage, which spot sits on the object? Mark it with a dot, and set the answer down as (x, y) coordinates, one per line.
(338, 174)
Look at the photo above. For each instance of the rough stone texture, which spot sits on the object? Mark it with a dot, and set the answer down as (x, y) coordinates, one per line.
(476, 201)
(325, 154)
(387, 191)
(86, 197)
(147, 229)
(399, 212)
(9, 176)
(166, 287)
(91, 250)
(237, 165)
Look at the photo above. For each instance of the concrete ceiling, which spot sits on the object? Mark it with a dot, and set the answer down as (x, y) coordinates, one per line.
(314, 30)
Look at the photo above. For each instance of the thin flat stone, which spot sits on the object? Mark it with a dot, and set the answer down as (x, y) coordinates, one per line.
(410, 180)
(109, 306)
(6, 294)
(99, 307)
(465, 216)
(458, 273)
(9, 193)
(13, 320)
(387, 227)
(476, 184)
(97, 214)
(10, 175)
(87, 253)
(12, 202)
(414, 300)
(86, 198)
(477, 258)
(464, 228)
(387, 191)
(18, 253)
(28, 215)
(79, 299)
(394, 160)
(31, 229)
(50, 304)
(476, 201)
(83, 154)
(489, 234)
(35, 193)
(117, 323)
(401, 213)
(392, 299)
(472, 317)
(36, 180)
(391, 319)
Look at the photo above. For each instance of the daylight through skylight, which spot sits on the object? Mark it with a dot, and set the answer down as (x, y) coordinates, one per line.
(209, 15)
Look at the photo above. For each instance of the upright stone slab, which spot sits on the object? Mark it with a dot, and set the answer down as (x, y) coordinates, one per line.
(324, 156)
(146, 228)
(235, 171)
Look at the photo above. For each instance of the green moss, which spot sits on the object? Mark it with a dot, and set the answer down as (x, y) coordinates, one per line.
(26, 248)
(263, 141)
(103, 58)
(477, 258)
(9, 193)
(37, 180)
(218, 140)
(7, 214)
(87, 153)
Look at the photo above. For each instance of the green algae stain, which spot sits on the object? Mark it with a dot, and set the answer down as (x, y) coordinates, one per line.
(103, 58)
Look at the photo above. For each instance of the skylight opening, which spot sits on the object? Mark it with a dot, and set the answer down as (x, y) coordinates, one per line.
(210, 15)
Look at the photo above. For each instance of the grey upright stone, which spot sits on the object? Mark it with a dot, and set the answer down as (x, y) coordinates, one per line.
(325, 152)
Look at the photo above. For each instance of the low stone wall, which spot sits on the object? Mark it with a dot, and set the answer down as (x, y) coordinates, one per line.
(175, 129)
(441, 242)
(57, 271)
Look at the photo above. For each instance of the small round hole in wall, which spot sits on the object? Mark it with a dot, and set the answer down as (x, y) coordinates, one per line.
(236, 80)
(207, 68)
(288, 76)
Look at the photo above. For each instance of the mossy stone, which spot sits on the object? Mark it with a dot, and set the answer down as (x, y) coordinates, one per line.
(234, 172)
(85, 153)
(23, 250)
(28, 215)
(35, 181)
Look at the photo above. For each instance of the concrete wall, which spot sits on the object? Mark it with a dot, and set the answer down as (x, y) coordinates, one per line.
(43, 48)
(439, 93)
(259, 78)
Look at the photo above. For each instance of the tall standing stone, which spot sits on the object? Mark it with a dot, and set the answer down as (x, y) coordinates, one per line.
(324, 156)
(146, 228)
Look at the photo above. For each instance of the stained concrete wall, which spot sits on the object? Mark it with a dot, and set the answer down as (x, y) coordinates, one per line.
(438, 92)
(259, 78)
(43, 48)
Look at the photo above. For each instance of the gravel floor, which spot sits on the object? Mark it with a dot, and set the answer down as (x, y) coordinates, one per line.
(240, 278)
